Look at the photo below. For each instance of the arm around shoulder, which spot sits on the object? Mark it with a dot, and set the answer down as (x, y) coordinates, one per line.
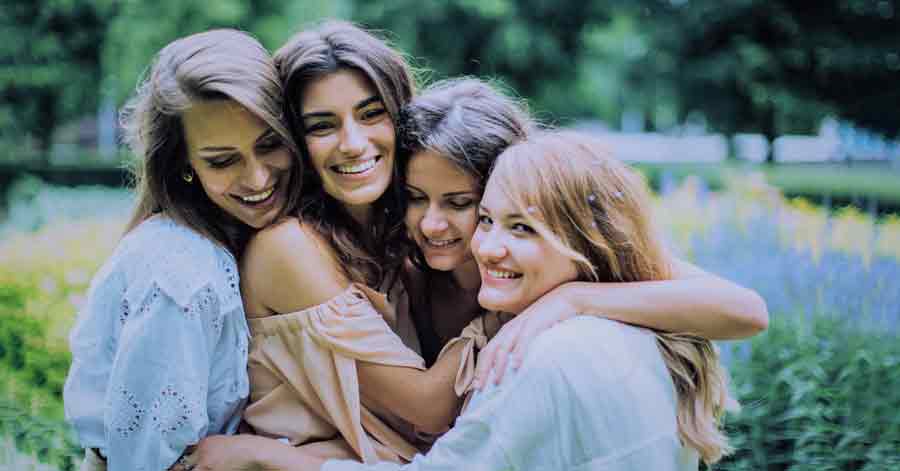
(694, 301)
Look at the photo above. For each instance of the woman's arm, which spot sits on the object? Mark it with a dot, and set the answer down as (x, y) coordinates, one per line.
(695, 302)
(289, 268)
(246, 452)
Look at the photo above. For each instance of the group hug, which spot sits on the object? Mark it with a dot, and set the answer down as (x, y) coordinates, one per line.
(329, 268)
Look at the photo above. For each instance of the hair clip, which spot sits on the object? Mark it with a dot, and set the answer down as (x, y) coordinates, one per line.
(594, 224)
(531, 209)
(618, 195)
(591, 198)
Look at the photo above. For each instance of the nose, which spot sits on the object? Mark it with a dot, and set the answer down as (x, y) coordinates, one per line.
(353, 140)
(490, 246)
(256, 174)
(433, 222)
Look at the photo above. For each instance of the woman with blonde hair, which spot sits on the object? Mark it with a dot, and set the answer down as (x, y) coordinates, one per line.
(159, 352)
(591, 393)
(452, 135)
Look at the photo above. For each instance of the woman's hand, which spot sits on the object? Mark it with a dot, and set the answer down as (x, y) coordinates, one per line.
(228, 453)
(511, 342)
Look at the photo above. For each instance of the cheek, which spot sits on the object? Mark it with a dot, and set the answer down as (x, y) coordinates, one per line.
(467, 223)
(412, 218)
(318, 152)
(386, 135)
(215, 185)
(475, 243)
(284, 160)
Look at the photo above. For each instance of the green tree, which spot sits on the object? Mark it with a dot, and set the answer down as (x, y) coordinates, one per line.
(780, 66)
(50, 65)
(533, 46)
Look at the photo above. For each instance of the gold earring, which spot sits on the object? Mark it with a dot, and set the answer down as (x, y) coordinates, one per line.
(188, 176)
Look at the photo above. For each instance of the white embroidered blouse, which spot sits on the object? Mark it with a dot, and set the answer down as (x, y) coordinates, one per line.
(159, 351)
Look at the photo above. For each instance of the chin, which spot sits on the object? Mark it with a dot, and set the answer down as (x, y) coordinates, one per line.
(494, 301)
(440, 264)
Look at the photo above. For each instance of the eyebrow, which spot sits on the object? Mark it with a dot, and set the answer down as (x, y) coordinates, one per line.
(325, 114)
(264, 135)
(216, 149)
(446, 195)
(507, 216)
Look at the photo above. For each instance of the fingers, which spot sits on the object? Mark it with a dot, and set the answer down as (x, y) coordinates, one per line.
(495, 356)
(484, 364)
(506, 348)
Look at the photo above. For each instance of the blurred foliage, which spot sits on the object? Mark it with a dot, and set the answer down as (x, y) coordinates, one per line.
(50, 62)
(778, 66)
(744, 65)
(818, 395)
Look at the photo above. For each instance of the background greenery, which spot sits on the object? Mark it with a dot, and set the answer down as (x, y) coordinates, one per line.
(773, 67)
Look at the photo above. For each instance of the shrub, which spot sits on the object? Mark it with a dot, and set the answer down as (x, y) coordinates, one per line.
(817, 395)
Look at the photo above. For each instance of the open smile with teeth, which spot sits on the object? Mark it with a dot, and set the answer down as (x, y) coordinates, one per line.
(356, 167)
(441, 243)
(258, 197)
(504, 274)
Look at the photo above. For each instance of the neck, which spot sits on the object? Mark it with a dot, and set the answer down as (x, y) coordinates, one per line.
(362, 214)
(467, 276)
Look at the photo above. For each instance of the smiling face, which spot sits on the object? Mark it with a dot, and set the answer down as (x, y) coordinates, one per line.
(242, 164)
(443, 209)
(349, 136)
(517, 265)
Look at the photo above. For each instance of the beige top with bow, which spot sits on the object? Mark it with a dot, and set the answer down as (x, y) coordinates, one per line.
(304, 384)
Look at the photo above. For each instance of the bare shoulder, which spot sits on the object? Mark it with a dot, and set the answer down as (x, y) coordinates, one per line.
(288, 267)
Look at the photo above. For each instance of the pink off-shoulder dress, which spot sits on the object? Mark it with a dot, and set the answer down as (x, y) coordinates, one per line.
(304, 384)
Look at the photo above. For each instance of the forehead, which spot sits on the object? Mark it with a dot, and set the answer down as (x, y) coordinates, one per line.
(496, 200)
(336, 91)
(221, 123)
(434, 173)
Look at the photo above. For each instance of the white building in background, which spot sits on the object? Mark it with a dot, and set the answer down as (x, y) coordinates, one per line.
(660, 148)
(836, 142)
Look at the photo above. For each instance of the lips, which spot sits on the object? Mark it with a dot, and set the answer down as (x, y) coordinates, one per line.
(441, 244)
(257, 197)
(260, 199)
(356, 167)
(503, 274)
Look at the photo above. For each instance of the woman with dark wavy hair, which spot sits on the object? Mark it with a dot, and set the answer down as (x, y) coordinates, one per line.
(334, 360)
(159, 353)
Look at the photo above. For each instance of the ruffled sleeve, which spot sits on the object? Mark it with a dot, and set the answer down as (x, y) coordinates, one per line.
(156, 399)
(303, 373)
(159, 354)
(474, 338)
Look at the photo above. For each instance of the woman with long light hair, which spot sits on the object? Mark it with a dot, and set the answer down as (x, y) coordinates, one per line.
(159, 352)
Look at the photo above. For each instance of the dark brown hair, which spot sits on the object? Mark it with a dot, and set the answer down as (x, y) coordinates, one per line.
(465, 120)
(318, 52)
(213, 65)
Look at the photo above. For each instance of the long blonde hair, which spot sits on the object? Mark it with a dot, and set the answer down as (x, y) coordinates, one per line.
(213, 65)
(596, 210)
